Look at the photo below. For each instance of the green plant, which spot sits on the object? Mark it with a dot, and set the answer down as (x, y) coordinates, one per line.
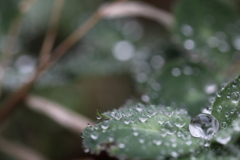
(177, 87)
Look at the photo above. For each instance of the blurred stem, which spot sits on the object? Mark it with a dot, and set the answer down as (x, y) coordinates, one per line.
(19, 151)
(71, 120)
(14, 100)
(9, 49)
(51, 32)
(12, 38)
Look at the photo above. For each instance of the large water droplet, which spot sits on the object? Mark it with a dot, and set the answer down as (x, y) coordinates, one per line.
(170, 127)
(204, 126)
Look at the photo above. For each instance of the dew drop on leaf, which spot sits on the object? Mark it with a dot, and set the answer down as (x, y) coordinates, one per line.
(219, 108)
(223, 125)
(204, 126)
(223, 138)
(235, 97)
(94, 136)
(179, 121)
(105, 125)
(160, 120)
(170, 127)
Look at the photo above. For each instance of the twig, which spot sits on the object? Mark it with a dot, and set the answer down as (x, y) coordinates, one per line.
(51, 32)
(67, 118)
(127, 9)
(19, 151)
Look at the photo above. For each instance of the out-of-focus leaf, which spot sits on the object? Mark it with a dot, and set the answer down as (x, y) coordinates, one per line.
(180, 84)
(209, 28)
(226, 105)
(220, 155)
(139, 132)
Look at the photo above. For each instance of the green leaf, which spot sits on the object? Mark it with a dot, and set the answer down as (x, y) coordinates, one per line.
(213, 156)
(139, 132)
(101, 116)
(229, 135)
(226, 105)
(209, 28)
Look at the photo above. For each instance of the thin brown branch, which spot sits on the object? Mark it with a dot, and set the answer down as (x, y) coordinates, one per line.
(63, 116)
(75, 37)
(19, 151)
(51, 32)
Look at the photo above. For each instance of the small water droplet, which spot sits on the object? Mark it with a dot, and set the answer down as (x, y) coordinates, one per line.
(234, 83)
(204, 126)
(151, 111)
(170, 127)
(179, 121)
(160, 120)
(132, 119)
(105, 125)
(168, 111)
(94, 136)
(116, 115)
(233, 110)
(128, 113)
(143, 117)
(207, 143)
(223, 125)
(219, 108)
(227, 114)
(223, 138)
(235, 97)
(139, 107)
